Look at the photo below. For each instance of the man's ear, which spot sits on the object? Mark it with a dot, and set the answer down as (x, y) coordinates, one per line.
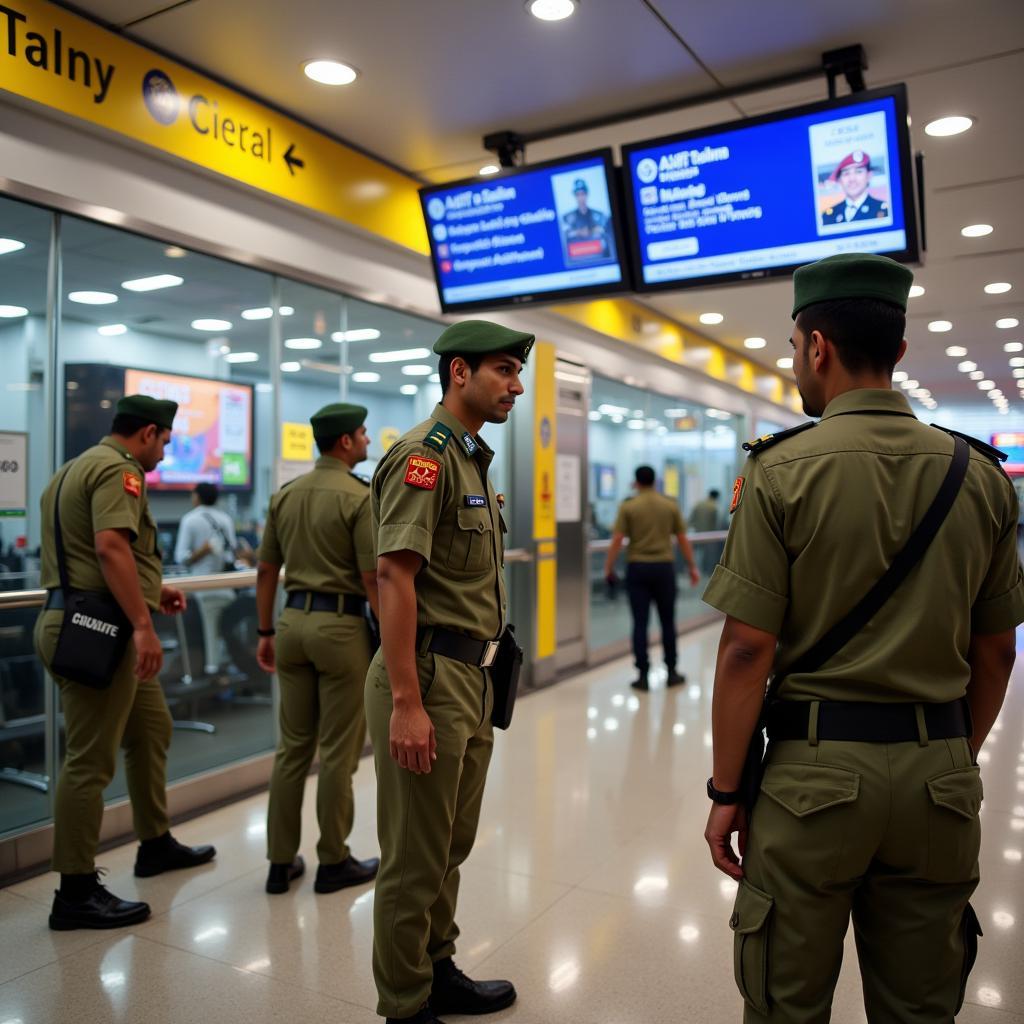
(818, 351)
(459, 370)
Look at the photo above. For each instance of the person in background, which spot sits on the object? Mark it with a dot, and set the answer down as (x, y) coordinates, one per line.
(706, 518)
(650, 521)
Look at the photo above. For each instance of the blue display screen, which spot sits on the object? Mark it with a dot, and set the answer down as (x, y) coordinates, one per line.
(753, 198)
(529, 235)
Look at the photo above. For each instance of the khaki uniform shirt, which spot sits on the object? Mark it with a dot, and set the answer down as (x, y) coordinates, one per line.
(318, 527)
(650, 521)
(431, 495)
(820, 517)
(704, 516)
(105, 489)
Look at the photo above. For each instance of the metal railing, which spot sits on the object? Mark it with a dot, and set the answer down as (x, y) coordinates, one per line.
(709, 537)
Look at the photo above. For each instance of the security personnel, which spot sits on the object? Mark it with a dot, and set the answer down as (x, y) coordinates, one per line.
(110, 545)
(854, 177)
(650, 520)
(318, 527)
(584, 223)
(429, 695)
(705, 518)
(870, 795)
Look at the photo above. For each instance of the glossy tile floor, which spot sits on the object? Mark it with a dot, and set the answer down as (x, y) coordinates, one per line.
(590, 886)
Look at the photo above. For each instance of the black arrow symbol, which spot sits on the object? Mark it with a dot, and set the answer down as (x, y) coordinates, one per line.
(292, 161)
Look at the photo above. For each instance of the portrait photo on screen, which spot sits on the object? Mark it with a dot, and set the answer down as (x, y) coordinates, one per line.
(850, 157)
(584, 213)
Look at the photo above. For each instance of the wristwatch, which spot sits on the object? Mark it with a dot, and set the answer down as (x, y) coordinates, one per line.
(719, 797)
(266, 632)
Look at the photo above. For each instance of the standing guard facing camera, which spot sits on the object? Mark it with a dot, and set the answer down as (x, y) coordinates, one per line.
(100, 556)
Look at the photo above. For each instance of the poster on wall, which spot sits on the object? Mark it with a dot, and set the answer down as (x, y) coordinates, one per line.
(568, 498)
(13, 474)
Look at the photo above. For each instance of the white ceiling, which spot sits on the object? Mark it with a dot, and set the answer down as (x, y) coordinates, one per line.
(435, 77)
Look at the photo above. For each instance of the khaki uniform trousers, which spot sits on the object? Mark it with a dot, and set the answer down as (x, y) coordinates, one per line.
(321, 667)
(426, 825)
(132, 714)
(886, 833)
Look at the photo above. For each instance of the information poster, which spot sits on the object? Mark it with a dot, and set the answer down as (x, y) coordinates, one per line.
(13, 474)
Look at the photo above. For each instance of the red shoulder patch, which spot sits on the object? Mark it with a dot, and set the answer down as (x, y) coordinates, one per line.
(737, 493)
(421, 472)
(132, 484)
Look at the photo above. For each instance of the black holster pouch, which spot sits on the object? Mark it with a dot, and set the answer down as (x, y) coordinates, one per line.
(93, 639)
(372, 629)
(753, 767)
(505, 678)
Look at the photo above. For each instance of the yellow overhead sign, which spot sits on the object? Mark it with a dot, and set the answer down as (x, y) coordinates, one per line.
(296, 442)
(66, 62)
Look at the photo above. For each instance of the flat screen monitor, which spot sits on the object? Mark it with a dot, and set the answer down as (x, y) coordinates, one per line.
(537, 234)
(1013, 445)
(760, 197)
(212, 441)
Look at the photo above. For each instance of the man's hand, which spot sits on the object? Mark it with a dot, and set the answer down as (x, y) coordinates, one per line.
(694, 576)
(172, 601)
(723, 820)
(413, 743)
(149, 655)
(266, 655)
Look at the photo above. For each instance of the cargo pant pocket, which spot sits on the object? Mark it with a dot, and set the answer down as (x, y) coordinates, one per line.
(970, 932)
(954, 829)
(750, 926)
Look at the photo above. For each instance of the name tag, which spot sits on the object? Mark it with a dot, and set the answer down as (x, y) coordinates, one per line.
(475, 501)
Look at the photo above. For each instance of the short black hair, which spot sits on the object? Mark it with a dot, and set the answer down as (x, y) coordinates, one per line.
(644, 476)
(444, 366)
(866, 332)
(714, 494)
(125, 425)
(206, 493)
(325, 442)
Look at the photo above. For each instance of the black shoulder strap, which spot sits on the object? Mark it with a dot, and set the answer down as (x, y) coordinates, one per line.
(865, 610)
(58, 536)
(767, 440)
(218, 529)
(987, 450)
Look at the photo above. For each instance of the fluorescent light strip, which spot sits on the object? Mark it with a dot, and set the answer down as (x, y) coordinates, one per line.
(399, 356)
(152, 284)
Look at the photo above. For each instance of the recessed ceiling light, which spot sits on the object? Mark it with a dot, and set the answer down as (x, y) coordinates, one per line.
(242, 357)
(711, 318)
(966, 366)
(330, 72)
(1017, 361)
(154, 283)
(93, 298)
(997, 287)
(286, 310)
(359, 334)
(754, 343)
(899, 376)
(920, 393)
(986, 385)
(552, 10)
(291, 367)
(784, 363)
(909, 385)
(434, 378)
(489, 169)
(112, 330)
(175, 252)
(1013, 346)
(1007, 323)
(976, 374)
(916, 291)
(1018, 372)
(417, 370)
(400, 355)
(211, 324)
(10, 245)
(9, 312)
(976, 230)
(259, 313)
(956, 351)
(302, 343)
(409, 389)
(366, 377)
(940, 326)
(995, 393)
(943, 127)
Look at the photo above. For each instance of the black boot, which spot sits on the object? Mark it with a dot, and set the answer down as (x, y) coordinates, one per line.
(453, 992)
(640, 683)
(165, 853)
(346, 873)
(280, 876)
(424, 1015)
(674, 678)
(82, 902)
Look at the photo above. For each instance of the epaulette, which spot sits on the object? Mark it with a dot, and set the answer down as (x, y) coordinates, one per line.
(987, 450)
(758, 445)
(364, 480)
(438, 437)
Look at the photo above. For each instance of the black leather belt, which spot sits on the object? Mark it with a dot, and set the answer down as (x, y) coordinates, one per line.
(450, 644)
(868, 723)
(54, 601)
(311, 600)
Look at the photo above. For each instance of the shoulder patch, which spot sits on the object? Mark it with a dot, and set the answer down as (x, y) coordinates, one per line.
(438, 437)
(422, 473)
(132, 484)
(978, 445)
(761, 443)
(468, 443)
(737, 493)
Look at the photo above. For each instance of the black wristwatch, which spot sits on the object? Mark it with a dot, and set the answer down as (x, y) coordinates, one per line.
(719, 797)
(266, 632)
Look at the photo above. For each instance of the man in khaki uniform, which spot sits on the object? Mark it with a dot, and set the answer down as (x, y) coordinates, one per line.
(110, 545)
(318, 527)
(650, 521)
(429, 693)
(870, 796)
(705, 517)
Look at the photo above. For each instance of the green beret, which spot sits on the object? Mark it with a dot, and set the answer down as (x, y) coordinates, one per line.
(337, 419)
(153, 410)
(852, 276)
(481, 337)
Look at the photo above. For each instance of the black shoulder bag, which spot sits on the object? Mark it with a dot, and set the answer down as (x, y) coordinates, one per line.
(505, 677)
(861, 614)
(95, 632)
